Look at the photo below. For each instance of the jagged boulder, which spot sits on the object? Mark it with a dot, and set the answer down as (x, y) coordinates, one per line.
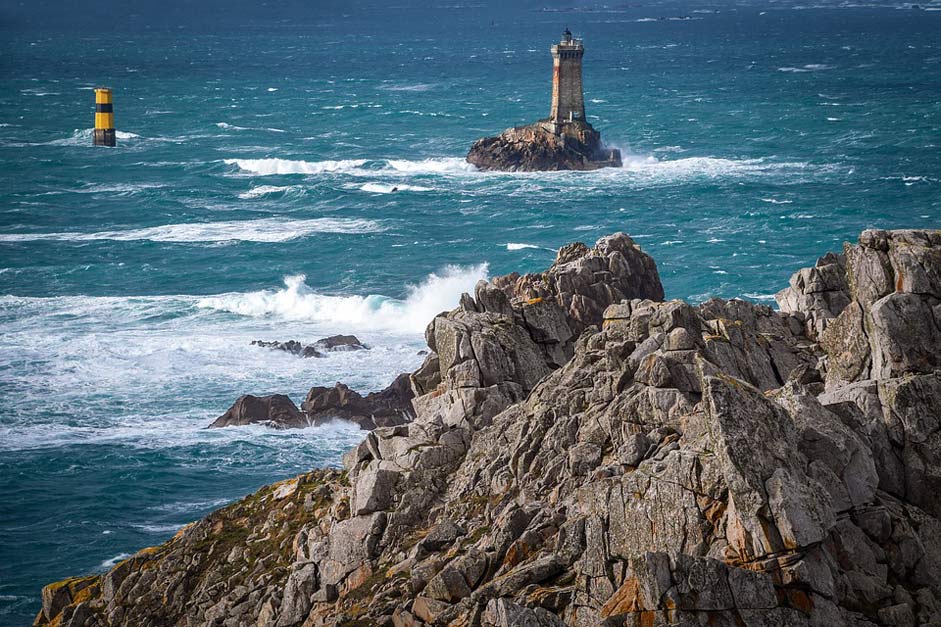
(577, 146)
(584, 281)
(386, 408)
(876, 308)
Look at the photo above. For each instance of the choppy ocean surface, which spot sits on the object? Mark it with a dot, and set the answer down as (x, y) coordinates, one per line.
(289, 172)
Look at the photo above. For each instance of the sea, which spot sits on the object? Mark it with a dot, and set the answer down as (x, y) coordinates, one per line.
(288, 170)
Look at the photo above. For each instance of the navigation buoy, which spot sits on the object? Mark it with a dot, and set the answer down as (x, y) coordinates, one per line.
(104, 118)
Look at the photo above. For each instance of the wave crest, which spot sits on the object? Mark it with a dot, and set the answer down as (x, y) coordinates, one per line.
(297, 301)
(264, 230)
(268, 167)
(353, 167)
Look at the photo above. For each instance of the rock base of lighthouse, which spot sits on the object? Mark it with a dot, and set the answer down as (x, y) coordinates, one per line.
(544, 146)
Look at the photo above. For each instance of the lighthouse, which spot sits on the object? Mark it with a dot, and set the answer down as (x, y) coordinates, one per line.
(563, 141)
(568, 102)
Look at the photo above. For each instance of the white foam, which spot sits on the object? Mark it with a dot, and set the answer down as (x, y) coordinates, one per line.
(56, 351)
(415, 87)
(651, 169)
(232, 127)
(158, 529)
(188, 507)
(810, 67)
(636, 169)
(388, 188)
(447, 165)
(268, 167)
(83, 137)
(110, 563)
(354, 167)
(775, 201)
(264, 230)
(297, 302)
(515, 246)
(264, 190)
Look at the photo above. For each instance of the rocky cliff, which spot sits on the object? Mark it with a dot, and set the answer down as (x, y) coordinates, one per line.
(586, 454)
(537, 147)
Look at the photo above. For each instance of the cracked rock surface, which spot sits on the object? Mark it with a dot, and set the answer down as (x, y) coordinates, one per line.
(586, 454)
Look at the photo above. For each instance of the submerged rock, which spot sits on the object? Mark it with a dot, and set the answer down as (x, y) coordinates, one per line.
(722, 464)
(537, 148)
(318, 348)
(340, 343)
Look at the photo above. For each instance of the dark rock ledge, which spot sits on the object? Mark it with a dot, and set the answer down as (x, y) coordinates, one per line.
(585, 454)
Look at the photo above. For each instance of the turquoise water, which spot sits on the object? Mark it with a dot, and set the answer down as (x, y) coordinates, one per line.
(250, 197)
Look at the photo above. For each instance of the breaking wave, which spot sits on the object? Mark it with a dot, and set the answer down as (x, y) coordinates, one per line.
(517, 246)
(266, 190)
(268, 167)
(232, 127)
(297, 301)
(264, 230)
(389, 188)
(635, 169)
(678, 170)
(353, 167)
(83, 137)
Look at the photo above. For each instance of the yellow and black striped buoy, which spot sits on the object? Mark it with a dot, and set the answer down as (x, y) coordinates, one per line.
(104, 118)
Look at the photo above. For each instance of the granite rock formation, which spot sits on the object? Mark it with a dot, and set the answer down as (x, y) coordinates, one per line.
(636, 462)
(537, 148)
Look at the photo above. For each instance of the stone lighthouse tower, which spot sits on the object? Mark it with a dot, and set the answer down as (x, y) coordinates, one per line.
(568, 103)
(563, 141)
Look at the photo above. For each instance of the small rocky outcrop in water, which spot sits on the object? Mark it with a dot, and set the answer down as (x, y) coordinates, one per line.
(392, 406)
(536, 148)
(317, 349)
(722, 464)
(276, 411)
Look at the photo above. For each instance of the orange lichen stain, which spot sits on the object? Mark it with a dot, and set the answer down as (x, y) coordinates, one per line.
(898, 282)
(86, 594)
(534, 301)
(517, 552)
(648, 618)
(625, 599)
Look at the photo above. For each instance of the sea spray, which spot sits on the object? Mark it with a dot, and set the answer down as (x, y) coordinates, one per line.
(296, 301)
